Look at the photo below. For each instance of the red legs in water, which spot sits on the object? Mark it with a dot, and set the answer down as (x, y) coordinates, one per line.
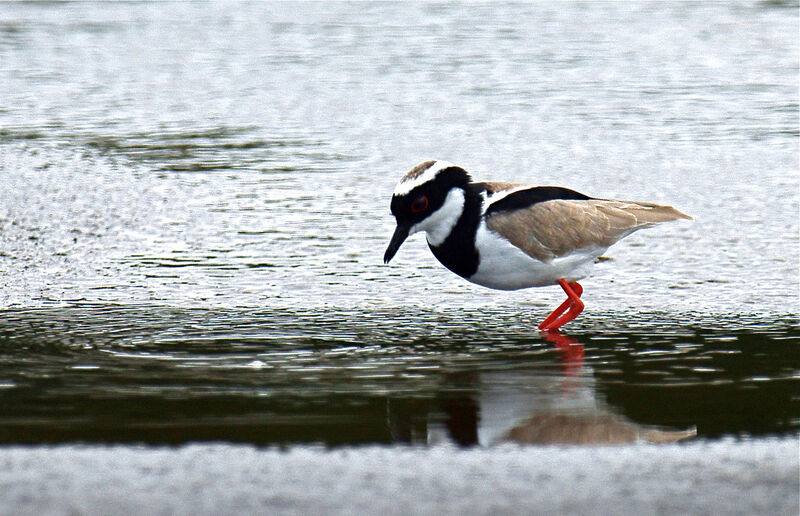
(559, 318)
(572, 350)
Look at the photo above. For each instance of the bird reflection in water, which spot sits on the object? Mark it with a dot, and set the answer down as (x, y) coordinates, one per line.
(536, 406)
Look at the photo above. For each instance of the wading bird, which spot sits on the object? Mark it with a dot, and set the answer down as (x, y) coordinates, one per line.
(509, 236)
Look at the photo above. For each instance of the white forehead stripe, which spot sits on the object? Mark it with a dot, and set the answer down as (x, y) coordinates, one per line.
(406, 185)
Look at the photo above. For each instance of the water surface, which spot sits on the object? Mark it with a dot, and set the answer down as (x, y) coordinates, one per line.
(194, 208)
(121, 374)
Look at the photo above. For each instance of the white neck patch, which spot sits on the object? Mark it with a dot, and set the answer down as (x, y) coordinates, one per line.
(406, 185)
(441, 222)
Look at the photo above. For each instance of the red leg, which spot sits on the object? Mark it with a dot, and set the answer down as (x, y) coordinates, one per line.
(553, 316)
(559, 318)
(576, 289)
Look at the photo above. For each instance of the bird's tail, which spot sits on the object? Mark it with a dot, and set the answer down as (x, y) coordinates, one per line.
(645, 213)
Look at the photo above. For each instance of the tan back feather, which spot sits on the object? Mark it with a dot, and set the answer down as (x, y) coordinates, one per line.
(554, 228)
(494, 187)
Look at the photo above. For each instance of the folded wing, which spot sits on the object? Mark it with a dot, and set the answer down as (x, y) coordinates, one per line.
(549, 229)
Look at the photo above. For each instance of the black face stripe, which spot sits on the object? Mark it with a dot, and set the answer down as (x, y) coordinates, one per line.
(526, 198)
(436, 190)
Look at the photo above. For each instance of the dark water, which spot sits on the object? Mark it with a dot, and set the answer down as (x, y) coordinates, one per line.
(194, 208)
(159, 375)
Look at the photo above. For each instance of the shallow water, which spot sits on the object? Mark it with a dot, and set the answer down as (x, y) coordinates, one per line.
(194, 208)
(101, 373)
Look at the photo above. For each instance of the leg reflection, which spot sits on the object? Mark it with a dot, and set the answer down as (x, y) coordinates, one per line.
(570, 348)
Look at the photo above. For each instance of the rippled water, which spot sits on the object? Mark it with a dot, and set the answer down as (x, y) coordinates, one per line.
(194, 208)
(170, 374)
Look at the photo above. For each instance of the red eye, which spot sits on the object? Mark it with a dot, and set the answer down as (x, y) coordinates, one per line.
(420, 204)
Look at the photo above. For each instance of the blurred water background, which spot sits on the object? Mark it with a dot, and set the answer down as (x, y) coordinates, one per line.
(194, 204)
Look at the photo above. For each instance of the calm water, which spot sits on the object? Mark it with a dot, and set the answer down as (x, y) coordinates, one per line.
(194, 208)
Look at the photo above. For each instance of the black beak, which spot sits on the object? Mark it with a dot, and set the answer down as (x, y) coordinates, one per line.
(400, 235)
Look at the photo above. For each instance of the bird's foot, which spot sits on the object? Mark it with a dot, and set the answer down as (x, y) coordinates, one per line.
(573, 303)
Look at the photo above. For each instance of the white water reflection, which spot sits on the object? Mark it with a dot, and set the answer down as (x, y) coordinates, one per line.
(244, 154)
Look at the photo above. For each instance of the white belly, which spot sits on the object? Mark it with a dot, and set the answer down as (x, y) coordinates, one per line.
(505, 267)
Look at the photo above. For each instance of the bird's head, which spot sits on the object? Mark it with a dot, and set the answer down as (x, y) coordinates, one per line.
(429, 198)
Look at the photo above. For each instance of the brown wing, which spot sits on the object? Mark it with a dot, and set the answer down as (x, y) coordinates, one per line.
(550, 229)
